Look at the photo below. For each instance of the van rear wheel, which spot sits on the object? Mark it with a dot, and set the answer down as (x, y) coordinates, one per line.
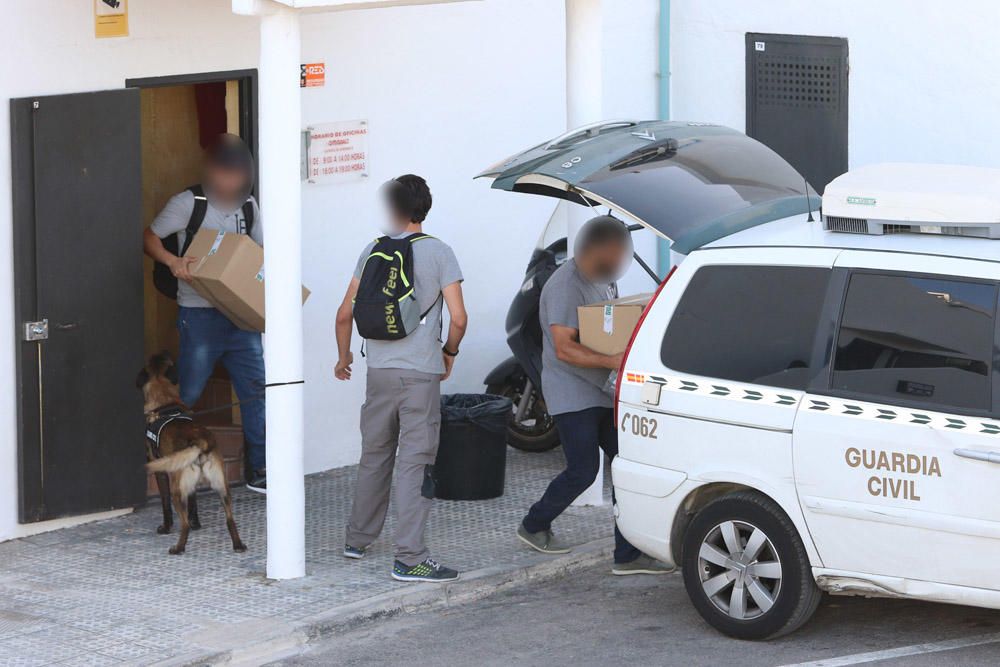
(746, 569)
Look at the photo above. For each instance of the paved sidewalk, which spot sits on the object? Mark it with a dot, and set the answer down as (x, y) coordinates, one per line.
(107, 593)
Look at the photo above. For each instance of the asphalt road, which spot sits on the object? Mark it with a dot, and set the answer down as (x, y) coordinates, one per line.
(593, 618)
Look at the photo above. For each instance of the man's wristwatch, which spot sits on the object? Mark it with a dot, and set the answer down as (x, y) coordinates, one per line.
(444, 348)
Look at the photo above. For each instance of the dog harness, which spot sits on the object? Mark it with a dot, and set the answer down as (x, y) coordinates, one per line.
(165, 415)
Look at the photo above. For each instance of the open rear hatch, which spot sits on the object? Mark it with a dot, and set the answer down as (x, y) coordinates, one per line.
(691, 183)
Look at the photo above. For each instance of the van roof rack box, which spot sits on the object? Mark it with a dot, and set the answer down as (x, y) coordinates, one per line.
(896, 198)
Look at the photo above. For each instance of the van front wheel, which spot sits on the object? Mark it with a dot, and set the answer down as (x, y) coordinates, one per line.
(746, 569)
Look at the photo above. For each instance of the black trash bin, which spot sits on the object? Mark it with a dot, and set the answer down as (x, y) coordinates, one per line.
(472, 455)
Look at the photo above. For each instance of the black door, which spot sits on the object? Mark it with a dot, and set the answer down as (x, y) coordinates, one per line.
(78, 267)
(797, 101)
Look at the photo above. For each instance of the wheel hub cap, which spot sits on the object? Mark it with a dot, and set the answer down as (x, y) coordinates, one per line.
(740, 569)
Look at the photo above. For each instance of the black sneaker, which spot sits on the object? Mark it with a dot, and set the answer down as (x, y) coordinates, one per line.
(258, 481)
(428, 571)
(354, 552)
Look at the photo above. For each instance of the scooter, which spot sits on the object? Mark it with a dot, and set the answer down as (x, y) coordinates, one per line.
(519, 377)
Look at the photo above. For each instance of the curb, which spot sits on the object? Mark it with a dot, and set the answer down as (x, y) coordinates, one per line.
(284, 640)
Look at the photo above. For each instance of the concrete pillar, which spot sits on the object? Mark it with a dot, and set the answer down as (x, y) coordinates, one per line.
(611, 68)
(281, 212)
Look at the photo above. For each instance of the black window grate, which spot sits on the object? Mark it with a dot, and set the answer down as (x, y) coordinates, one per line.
(797, 81)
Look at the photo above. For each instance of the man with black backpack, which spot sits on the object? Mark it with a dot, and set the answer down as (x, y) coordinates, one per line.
(221, 202)
(396, 296)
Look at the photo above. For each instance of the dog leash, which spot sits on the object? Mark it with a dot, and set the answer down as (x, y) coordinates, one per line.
(228, 406)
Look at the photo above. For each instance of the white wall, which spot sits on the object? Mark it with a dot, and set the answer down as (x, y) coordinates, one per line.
(923, 79)
(49, 48)
(448, 90)
(612, 51)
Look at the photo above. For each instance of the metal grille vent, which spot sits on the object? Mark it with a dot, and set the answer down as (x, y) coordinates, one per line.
(850, 225)
(896, 229)
(798, 81)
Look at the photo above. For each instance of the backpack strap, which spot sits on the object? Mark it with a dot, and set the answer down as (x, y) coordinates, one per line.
(440, 297)
(197, 216)
(248, 215)
(420, 236)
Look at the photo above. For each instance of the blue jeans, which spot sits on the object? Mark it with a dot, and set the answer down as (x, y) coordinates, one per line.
(583, 434)
(207, 336)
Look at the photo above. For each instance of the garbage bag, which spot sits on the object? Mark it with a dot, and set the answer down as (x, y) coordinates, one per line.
(471, 460)
(488, 411)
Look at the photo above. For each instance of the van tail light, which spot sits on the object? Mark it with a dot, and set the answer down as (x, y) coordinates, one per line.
(635, 332)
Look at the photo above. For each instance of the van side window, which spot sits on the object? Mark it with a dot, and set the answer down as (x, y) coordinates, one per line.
(924, 340)
(754, 324)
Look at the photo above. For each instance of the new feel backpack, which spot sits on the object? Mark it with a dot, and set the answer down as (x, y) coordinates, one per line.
(163, 278)
(385, 307)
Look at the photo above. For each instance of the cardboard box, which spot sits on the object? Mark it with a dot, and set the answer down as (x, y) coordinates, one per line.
(606, 327)
(229, 274)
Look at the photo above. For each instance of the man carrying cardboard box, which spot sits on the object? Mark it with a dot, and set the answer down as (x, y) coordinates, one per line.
(573, 379)
(222, 202)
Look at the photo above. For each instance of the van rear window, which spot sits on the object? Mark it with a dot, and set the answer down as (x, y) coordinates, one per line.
(917, 339)
(754, 324)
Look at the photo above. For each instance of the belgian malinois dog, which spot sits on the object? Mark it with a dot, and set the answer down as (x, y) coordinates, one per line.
(184, 450)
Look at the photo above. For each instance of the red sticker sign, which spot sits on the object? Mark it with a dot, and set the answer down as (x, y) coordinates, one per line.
(313, 75)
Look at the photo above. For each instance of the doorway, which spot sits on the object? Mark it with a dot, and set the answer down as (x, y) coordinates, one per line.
(89, 172)
(180, 117)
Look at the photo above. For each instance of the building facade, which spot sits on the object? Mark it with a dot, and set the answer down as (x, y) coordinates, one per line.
(445, 89)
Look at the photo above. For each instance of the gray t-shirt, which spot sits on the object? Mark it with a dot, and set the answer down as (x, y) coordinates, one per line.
(569, 388)
(173, 219)
(434, 268)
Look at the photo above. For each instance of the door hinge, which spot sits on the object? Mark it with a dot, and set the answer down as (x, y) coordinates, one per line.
(36, 330)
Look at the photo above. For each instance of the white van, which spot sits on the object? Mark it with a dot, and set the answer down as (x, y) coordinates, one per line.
(815, 406)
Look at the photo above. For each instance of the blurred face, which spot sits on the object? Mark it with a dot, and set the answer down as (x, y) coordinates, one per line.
(392, 222)
(395, 223)
(227, 183)
(603, 263)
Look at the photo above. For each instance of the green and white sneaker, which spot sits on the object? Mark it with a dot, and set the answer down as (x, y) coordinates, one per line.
(427, 571)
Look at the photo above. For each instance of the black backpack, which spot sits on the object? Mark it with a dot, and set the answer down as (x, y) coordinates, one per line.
(385, 307)
(163, 279)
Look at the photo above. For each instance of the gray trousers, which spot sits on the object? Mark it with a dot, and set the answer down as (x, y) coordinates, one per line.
(400, 422)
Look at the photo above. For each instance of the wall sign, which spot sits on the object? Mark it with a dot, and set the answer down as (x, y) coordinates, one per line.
(338, 152)
(313, 75)
(111, 18)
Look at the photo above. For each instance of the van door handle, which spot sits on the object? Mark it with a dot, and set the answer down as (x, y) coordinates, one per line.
(989, 457)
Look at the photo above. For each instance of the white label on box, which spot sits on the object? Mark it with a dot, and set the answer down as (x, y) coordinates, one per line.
(218, 241)
(260, 274)
(609, 319)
